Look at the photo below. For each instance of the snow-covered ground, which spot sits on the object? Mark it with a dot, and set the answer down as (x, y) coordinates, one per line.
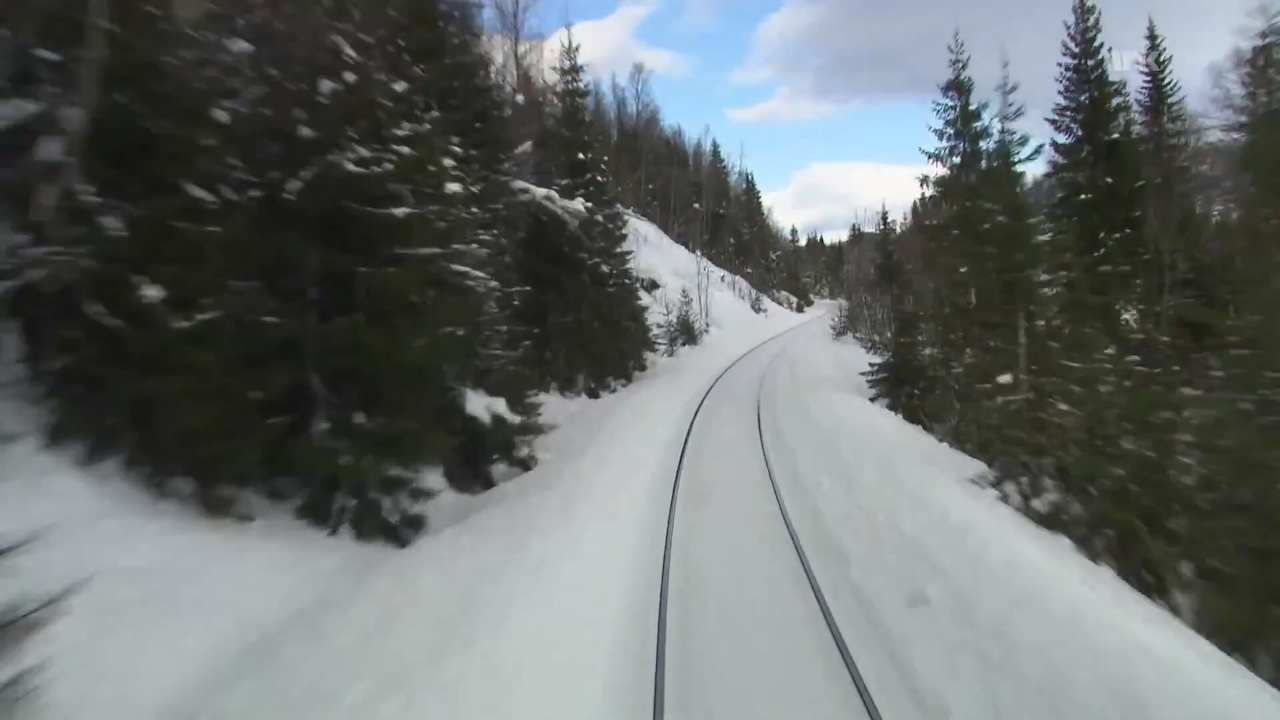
(540, 604)
(539, 599)
(953, 605)
(745, 638)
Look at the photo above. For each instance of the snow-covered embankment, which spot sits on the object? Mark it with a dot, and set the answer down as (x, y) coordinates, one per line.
(535, 600)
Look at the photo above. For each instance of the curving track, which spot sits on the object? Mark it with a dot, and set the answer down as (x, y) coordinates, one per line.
(743, 628)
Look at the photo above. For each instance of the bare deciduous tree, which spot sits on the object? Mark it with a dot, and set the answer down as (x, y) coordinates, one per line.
(646, 123)
(518, 50)
(521, 66)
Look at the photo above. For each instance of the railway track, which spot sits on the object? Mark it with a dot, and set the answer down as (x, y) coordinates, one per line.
(660, 669)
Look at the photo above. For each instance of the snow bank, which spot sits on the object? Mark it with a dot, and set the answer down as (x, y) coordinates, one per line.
(535, 600)
(167, 593)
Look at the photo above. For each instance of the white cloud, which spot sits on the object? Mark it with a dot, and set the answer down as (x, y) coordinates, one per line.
(784, 107)
(829, 197)
(609, 44)
(831, 53)
(700, 14)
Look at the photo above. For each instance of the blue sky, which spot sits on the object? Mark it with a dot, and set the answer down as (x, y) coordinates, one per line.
(830, 99)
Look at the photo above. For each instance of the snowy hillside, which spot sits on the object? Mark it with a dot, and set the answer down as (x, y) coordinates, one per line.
(187, 599)
(672, 268)
(675, 269)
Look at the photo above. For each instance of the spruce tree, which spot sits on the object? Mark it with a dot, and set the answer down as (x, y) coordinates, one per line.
(466, 102)
(1013, 251)
(754, 238)
(792, 268)
(1169, 209)
(959, 258)
(899, 379)
(1011, 442)
(116, 295)
(1232, 535)
(293, 272)
(1155, 421)
(681, 327)
(399, 317)
(1093, 265)
(834, 265)
(597, 326)
(718, 192)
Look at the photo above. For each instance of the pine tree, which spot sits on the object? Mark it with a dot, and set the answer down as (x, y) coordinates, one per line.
(1093, 264)
(399, 319)
(1012, 444)
(792, 269)
(835, 264)
(466, 102)
(753, 239)
(900, 378)
(1012, 237)
(1232, 535)
(718, 191)
(114, 296)
(681, 327)
(294, 260)
(598, 314)
(959, 259)
(1153, 421)
(1164, 128)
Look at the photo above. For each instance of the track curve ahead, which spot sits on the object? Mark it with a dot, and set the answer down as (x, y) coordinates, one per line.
(838, 637)
(743, 629)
